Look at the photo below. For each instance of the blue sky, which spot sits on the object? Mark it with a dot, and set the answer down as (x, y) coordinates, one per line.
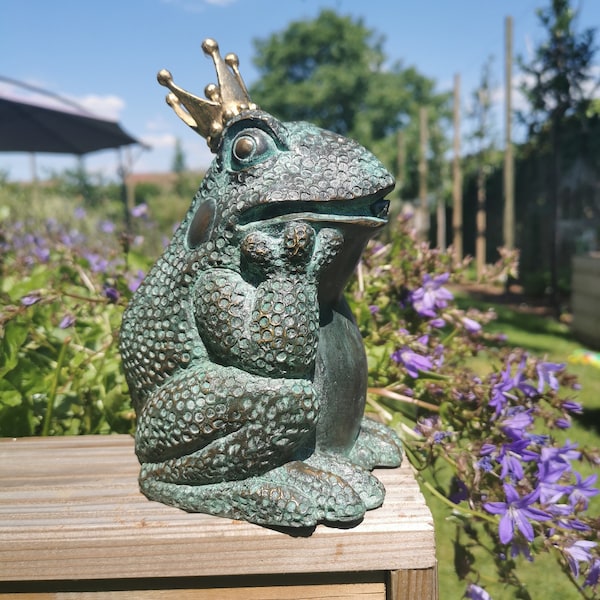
(105, 54)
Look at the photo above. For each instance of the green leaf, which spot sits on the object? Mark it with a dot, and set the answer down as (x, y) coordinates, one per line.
(16, 421)
(15, 334)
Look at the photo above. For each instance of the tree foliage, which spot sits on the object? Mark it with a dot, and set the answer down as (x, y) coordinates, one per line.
(558, 86)
(333, 72)
(559, 80)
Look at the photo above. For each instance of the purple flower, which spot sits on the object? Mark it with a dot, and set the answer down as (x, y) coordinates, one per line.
(134, 281)
(539, 439)
(550, 490)
(30, 299)
(593, 575)
(432, 295)
(107, 226)
(437, 323)
(111, 293)
(79, 212)
(41, 253)
(412, 362)
(573, 525)
(66, 321)
(506, 385)
(562, 423)
(373, 309)
(546, 375)
(139, 210)
(517, 423)
(485, 464)
(516, 512)
(572, 406)
(458, 491)
(474, 592)
(578, 552)
(471, 326)
(556, 461)
(582, 491)
(98, 264)
(519, 547)
(511, 457)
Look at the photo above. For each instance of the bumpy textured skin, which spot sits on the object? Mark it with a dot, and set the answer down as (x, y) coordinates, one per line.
(246, 369)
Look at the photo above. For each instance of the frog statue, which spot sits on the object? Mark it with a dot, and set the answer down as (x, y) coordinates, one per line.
(246, 369)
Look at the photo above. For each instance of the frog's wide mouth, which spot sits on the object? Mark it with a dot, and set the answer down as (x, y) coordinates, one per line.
(366, 211)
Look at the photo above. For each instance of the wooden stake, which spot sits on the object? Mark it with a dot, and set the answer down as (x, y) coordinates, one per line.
(509, 177)
(423, 225)
(457, 205)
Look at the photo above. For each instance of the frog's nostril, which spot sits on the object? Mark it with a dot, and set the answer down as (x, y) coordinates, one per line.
(380, 208)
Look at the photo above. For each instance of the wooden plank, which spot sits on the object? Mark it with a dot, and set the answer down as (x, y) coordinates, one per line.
(70, 508)
(587, 264)
(586, 284)
(585, 304)
(415, 584)
(587, 324)
(363, 591)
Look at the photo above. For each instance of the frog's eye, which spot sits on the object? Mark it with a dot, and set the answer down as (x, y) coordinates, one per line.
(249, 147)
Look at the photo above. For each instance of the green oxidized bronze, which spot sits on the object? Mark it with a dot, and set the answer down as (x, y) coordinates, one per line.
(246, 369)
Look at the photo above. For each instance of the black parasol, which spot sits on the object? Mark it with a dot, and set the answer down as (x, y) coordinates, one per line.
(30, 128)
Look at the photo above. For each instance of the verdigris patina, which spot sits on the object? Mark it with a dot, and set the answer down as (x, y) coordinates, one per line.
(246, 369)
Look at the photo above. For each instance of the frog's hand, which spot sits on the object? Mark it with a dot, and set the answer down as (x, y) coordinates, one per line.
(376, 446)
(293, 495)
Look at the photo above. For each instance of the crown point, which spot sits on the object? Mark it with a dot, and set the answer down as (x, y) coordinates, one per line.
(171, 99)
(210, 46)
(211, 91)
(232, 60)
(164, 77)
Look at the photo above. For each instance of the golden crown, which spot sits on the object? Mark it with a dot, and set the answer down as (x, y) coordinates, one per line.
(229, 98)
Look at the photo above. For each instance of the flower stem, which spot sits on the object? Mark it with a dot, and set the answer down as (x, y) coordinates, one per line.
(402, 398)
(53, 389)
(446, 501)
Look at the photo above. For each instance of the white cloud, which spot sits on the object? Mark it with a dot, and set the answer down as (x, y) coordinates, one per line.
(106, 107)
(159, 140)
(196, 6)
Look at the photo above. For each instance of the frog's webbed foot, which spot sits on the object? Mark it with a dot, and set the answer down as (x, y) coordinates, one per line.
(368, 487)
(376, 446)
(293, 495)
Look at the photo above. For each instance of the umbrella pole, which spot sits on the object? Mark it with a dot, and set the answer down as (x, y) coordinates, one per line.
(34, 177)
(126, 196)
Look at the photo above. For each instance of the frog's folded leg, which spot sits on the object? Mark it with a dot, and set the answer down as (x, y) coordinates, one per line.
(293, 495)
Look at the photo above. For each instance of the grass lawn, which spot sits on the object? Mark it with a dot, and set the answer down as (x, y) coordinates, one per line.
(541, 336)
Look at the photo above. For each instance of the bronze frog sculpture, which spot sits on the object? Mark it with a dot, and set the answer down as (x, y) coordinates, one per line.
(246, 369)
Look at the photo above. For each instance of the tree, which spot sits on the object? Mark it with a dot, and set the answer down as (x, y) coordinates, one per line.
(332, 71)
(179, 168)
(557, 90)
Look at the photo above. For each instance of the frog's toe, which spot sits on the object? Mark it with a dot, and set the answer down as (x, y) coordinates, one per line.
(369, 488)
(333, 498)
(376, 446)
